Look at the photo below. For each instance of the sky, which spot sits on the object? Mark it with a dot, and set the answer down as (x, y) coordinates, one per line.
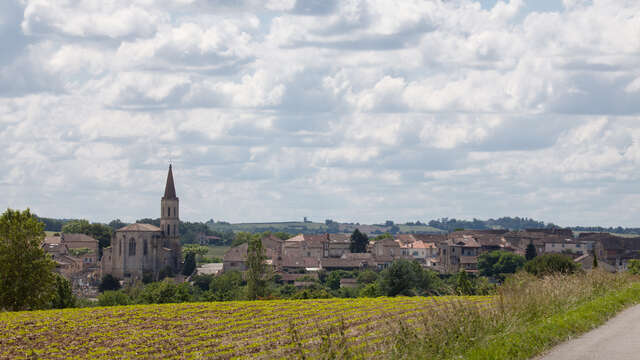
(351, 110)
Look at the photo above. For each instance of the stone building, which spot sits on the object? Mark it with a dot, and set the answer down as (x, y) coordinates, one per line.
(144, 249)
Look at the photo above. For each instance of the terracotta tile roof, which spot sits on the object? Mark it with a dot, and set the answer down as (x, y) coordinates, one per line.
(72, 238)
(52, 240)
(139, 227)
(422, 245)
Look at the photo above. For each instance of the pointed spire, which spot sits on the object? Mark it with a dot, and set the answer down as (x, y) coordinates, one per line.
(169, 189)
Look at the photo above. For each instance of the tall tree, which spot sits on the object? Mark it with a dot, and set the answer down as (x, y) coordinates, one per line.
(359, 242)
(531, 252)
(189, 264)
(256, 269)
(26, 272)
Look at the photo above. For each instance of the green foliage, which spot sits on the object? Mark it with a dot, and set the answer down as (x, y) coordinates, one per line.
(202, 281)
(113, 298)
(531, 252)
(166, 291)
(196, 249)
(166, 272)
(77, 252)
(26, 277)
(109, 283)
(243, 237)
(595, 260)
(256, 269)
(398, 279)
(548, 264)
(189, 264)
(383, 236)
(225, 287)
(367, 277)
(633, 266)
(463, 285)
(359, 242)
(371, 290)
(100, 232)
(64, 297)
(498, 263)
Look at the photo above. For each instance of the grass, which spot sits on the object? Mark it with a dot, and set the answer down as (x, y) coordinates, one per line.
(531, 316)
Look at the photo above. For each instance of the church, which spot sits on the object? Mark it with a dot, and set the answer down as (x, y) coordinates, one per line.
(142, 249)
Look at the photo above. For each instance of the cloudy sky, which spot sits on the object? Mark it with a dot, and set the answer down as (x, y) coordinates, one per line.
(352, 110)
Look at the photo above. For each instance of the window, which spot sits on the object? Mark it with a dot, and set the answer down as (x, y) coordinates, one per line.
(132, 247)
(168, 229)
(120, 248)
(169, 211)
(145, 247)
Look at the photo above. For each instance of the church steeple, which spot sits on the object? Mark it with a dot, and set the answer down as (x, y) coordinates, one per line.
(169, 189)
(170, 219)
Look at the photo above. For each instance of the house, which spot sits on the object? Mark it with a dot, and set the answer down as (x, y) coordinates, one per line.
(586, 263)
(569, 246)
(459, 253)
(614, 250)
(424, 252)
(84, 247)
(235, 259)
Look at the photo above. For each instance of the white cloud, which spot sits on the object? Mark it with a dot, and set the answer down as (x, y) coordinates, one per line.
(359, 110)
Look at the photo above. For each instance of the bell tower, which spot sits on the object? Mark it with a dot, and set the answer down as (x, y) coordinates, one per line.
(170, 220)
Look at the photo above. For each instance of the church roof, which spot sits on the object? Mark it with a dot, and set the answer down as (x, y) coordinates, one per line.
(169, 189)
(140, 227)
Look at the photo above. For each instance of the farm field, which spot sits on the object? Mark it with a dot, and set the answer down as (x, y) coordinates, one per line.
(217, 251)
(217, 330)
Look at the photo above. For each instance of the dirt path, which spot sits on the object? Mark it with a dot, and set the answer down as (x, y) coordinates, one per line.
(618, 339)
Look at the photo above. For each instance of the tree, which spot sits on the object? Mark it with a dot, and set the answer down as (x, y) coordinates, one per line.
(463, 285)
(498, 263)
(109, 283)
(359, 242)
(398, 279)
(189, 264)
(64, 297)
(595, 260)
(530, 252)
(549, 264)
(26, 272)
(243, 237)
(256, 283)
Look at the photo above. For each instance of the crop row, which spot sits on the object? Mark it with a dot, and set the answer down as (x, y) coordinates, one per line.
(219, 330)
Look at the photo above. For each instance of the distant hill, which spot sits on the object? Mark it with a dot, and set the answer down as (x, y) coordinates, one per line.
(443, 225)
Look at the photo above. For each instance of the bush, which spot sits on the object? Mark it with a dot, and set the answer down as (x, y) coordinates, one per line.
(498, 263)
(633, 266)
(202, 281)
(370, 290)
(112, 298)
(549, 264)
(165, 292)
